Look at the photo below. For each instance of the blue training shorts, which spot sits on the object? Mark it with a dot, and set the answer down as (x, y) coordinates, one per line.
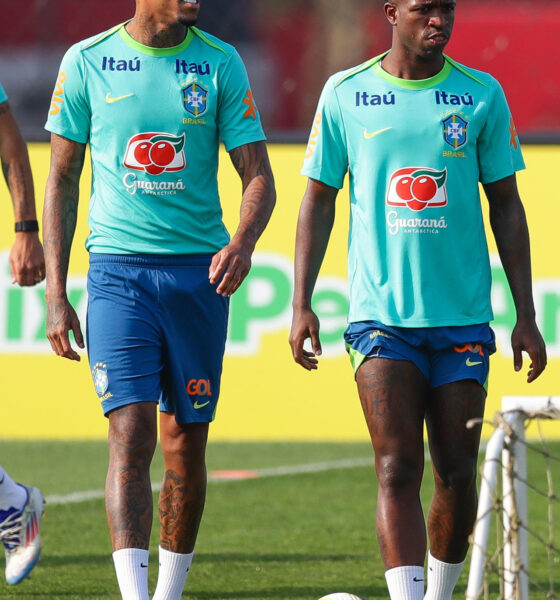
(443, 354)
(156, 332)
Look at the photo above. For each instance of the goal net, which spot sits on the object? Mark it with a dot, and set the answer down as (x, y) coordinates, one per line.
(516, 541)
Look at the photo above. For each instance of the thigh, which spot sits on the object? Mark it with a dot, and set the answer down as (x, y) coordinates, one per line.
(124, 344)
(194, 327)
(393, 394)
(461, 353)
(449, 410)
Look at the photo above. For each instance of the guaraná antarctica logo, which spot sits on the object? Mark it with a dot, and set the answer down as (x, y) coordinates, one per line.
(417, 188)
(155, 153)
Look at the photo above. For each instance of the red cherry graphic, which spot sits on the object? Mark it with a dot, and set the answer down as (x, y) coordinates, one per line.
(403, 188)
(416, 205)
(162, 153)
(424, 188)
(142, 153)
(154, 169)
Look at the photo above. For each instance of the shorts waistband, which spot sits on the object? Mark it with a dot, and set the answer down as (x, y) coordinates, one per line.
(152, 260)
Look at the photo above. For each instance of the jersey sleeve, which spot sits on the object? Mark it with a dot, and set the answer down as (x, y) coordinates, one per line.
(239, 120)
(3, 95)
(326, 157)
(499, 151)
(70, 113)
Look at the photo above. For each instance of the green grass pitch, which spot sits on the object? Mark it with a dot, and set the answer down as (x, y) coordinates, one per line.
(286, 536)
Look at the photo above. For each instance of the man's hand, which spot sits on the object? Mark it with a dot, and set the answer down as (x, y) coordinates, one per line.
(62, 318)
(229, 267)
(305, 324)
(27, 262)
(526, 337)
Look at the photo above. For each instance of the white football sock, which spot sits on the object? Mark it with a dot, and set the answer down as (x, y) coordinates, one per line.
(405, 583)
(173, 571)
(12, 494)
(442, 578)
(131, 566)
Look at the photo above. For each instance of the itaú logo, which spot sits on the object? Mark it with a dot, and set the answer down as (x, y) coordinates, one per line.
(199, 387)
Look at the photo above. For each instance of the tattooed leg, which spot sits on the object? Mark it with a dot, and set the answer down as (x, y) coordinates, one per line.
(393, 395)
(183, 491)
(128, 492)
(454, 451)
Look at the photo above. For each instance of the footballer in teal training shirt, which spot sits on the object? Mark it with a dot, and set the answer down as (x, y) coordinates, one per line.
(153, 98)
(417, 134)
(415, 151)
(153, 118)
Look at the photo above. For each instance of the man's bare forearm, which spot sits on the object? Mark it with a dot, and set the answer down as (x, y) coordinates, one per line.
(315, 222)
(60, 211)
(509, 225)
(16, 167)
(259, 194)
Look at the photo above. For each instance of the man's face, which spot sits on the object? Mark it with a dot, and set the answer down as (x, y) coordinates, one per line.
(422, 26)
(178, 11)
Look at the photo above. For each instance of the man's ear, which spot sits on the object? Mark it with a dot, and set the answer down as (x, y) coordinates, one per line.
(391, 12)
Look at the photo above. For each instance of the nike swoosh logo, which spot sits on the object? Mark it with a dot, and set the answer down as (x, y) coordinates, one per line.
(197, 404)
(473, 363)
(110, 100)
(369, 135)
(416, 579)
(143, 566)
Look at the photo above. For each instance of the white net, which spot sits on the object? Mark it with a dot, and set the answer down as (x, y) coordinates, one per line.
(516, 542)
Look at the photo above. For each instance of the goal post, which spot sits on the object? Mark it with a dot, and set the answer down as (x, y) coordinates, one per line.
(506, 454)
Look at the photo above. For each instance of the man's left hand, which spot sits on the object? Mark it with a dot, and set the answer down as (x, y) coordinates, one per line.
(27, 262)
(527, 337)
(229, 267)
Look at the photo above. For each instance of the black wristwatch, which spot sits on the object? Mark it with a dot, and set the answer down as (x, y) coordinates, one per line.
(27, 226)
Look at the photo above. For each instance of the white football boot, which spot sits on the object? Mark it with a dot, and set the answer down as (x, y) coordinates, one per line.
(20, 535)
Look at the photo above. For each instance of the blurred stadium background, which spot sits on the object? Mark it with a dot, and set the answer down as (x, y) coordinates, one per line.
(290, 48)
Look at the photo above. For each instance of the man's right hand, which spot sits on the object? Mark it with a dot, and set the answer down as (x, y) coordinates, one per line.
(305, 324)
(62, 318)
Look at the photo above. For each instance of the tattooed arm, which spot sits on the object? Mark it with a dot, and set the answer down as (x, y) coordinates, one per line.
(59, 223)
(26, 256)
(259, 196)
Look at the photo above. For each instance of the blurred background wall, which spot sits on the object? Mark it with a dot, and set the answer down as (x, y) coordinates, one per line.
(291, 47)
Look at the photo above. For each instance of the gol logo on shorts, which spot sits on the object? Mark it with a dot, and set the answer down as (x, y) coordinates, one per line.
(473, 348)
(199, 387)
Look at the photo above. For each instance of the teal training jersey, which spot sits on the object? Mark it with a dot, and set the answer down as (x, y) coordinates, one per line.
(153, 118)
(3, 95)
(415, 152)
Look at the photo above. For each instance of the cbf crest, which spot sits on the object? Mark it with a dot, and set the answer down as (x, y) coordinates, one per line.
(455, 131)
(100, 378)
(195, 99)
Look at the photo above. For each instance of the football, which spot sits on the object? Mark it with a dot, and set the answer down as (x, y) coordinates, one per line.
(341, 596)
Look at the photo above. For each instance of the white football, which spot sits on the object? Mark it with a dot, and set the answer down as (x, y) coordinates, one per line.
(341, 596)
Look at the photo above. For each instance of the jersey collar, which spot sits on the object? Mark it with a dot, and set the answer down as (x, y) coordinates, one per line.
(413, 84)
(130, 41)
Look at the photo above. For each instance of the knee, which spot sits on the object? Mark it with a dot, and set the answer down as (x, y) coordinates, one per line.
(186, 443)
(397, 473)
(132, 436)
(459, 476)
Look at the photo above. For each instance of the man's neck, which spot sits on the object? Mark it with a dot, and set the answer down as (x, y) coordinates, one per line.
(148, 31)
(403, 64)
